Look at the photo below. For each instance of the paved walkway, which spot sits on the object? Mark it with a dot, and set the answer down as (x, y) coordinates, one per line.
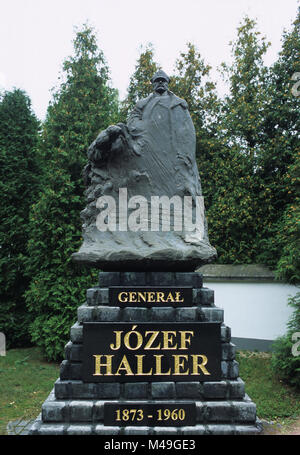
(21, 427)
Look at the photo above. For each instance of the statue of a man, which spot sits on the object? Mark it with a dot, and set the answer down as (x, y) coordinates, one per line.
(152, 157)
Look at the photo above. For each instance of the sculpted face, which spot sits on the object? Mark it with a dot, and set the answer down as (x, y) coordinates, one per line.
(160, 85)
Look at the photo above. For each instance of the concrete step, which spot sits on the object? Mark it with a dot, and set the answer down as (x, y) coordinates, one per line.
(233, 389)
(102, 313)
(92, 411)
(41, 428)
(193, 279)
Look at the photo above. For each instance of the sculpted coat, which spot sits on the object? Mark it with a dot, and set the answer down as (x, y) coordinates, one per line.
(153, 155)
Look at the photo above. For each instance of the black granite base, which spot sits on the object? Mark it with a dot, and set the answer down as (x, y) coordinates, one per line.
(77, 407)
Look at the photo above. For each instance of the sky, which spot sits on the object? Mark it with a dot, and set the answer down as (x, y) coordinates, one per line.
(36, 36)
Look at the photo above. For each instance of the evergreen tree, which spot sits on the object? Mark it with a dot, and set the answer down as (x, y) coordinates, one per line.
(191, 81)
(82, 106)
(19, 169)
(255, 212)
(140, 85)
(235, 207)
(288, 234)
(280, 167)
(280, 164)
(244, 106)
(247, 146)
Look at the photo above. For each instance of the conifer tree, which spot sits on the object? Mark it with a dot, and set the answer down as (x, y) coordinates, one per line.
(234, 209)
(140, 85)
(19, 180)
(82, 106)
(279, 166)
(191, 81)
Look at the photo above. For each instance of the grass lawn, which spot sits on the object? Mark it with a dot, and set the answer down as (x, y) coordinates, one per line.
(274, 400)
(26, 379)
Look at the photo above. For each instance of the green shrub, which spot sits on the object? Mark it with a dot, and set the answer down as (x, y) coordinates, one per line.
(19, 179)
(284, 364)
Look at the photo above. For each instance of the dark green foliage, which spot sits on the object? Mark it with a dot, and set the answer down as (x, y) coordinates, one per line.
(82, 106)
(284, 364)
(191, 82)
(247, 146)
(282, 156)
(139, 85)
(19, 178)
(251, 175)
(233, 209)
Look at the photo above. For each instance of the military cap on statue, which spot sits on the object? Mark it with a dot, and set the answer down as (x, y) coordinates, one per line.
(160, 74)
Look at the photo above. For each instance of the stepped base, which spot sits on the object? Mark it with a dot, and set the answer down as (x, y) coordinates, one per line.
(42, 428)
(75, 407)
(82, 416)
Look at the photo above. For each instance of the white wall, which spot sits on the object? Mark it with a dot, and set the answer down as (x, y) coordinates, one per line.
(254, 310)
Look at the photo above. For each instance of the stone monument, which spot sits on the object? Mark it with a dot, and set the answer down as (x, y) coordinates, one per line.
(150, 353)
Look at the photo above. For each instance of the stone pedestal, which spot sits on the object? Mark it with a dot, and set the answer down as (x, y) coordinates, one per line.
(77, 407)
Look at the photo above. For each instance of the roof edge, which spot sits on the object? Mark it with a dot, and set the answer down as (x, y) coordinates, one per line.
(240, 272)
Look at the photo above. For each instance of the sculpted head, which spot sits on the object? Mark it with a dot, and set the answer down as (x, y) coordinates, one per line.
(160, 82)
